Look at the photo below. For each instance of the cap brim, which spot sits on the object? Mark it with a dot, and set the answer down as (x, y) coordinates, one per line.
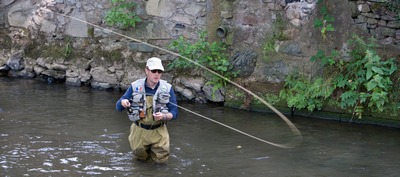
(156, 67)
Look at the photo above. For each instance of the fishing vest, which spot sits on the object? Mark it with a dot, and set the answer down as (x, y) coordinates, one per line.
(138, 99)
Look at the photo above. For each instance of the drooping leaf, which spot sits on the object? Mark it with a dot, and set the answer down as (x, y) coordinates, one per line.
(377, 70)
(371, 85)
(369, 74)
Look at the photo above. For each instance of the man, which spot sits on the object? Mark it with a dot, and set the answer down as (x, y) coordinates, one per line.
(150, 102)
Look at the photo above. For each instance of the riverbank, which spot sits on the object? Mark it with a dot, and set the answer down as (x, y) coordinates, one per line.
(290, 113)
(238, 99)
(332, 116)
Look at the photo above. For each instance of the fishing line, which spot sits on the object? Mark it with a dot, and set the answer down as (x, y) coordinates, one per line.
(295, 141)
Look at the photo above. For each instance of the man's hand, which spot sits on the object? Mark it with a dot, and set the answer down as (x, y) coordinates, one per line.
(160, 116)
(125, 103)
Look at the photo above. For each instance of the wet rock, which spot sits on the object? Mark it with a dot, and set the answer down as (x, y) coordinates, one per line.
(55, 74)
(50, 80)
(16, 61)
(38, 69)
(5, 68)
(291, 48)
(186, 93)
(213, 95)
(244, 62)
(73, 81)
(22, 74)
(195, 83)
(290, 1)
(101, 75)
(100, 85)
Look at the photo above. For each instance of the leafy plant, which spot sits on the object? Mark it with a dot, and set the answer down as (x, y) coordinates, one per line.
(122, 14)
(364, 82)
(325, 60)
(302, 93)
(210, 55)
(324, 23)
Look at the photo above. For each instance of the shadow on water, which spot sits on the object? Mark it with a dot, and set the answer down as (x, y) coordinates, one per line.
(55, 130)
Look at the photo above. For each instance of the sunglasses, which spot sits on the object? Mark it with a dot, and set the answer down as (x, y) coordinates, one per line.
(156, 71)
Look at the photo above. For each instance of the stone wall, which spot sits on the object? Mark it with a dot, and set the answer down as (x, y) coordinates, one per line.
(375, 17)
(44, 39)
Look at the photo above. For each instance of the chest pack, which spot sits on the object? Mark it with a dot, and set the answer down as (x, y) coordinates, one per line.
(137, 109)
(161, 102)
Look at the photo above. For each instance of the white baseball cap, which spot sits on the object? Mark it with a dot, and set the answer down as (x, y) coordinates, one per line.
(154, 63)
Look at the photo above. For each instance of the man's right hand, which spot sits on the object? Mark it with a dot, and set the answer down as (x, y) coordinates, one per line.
(125, 103)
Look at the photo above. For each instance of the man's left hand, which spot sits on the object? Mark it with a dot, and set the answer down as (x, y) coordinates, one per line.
(158, 116)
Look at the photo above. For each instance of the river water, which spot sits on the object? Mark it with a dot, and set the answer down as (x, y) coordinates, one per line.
(55, 130)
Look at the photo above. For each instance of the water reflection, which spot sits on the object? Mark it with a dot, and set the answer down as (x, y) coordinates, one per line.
(54, 130)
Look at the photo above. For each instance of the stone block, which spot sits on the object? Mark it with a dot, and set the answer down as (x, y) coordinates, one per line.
(48, 27)
(77, 28)
(73, 81)
(394, 24)
(372, 21)
(387, 32)
(360, 19)
(139, 47)
(19, 15)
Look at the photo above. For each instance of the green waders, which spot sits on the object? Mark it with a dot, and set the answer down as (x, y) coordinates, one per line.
(150, 143)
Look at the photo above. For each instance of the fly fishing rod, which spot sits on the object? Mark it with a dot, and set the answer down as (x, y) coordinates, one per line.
(297, 135)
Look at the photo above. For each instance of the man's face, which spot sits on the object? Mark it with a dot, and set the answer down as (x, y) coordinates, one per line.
(153, 75)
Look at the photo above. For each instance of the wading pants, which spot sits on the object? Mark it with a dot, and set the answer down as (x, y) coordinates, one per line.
(150, 143)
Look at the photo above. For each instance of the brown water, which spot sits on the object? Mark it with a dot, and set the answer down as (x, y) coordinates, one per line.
(54, 130)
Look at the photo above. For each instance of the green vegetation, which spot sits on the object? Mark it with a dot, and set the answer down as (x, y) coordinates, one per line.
(68, 48)
(270, 98)
(111, 56)
(364, 82)
(91, 32)
(210, 55)
(394, 6)
(62, 50)
(122, 14)
(277, 35)
(55, 50)
(324, 23)
(301, 92)
(367, 80)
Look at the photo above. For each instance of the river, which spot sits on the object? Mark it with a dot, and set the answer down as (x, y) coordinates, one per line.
(56, 130)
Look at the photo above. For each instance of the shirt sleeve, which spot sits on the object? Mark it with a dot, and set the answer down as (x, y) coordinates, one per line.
(172, 105)
(127, 95)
